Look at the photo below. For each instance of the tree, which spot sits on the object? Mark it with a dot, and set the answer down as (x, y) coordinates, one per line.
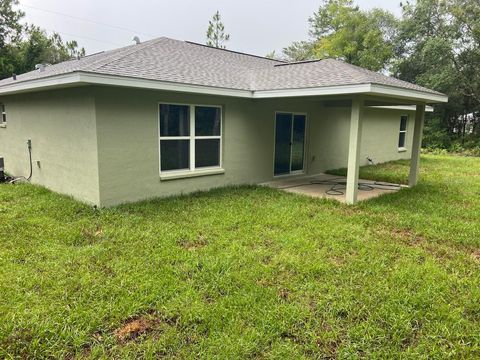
(364, 38)
(24, 46)
(299, 51)
(296, 51)
(440, 49)
(341, 30)
(10, 27)
(272, 55)
(436, 44)
(10, 33)
(39, 48)
(216, 35)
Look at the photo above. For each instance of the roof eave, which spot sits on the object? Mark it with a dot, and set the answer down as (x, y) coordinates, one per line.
(86, 78)
(112, 80)
(415, 96)
(52, 82)
(408, 94)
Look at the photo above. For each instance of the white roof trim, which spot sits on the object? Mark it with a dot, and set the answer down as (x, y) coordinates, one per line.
(85, 78)
(40, 84)
(324, 90)
(400, 107)
(161, 85)
(407, 93)
(370, 89)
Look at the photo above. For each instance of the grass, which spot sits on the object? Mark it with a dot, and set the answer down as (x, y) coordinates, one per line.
(247, 272)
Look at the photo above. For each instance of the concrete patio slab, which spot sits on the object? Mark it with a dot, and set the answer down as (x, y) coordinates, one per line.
(330, 186)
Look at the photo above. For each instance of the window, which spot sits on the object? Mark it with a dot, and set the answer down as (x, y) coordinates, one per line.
(174, 137)
(190, 137)
(402, 137)
(4, 115)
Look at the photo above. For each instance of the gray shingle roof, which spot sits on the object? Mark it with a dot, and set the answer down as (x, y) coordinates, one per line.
(183, 62)
(327, 72)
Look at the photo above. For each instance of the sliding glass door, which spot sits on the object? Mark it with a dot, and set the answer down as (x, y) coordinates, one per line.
(289, 143)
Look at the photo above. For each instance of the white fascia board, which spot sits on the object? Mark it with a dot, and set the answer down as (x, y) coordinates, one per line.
(318, 91)
(372, 89)
(410, 94)
(40, 84)
(85, 78)
(110, 80)
(400, 107)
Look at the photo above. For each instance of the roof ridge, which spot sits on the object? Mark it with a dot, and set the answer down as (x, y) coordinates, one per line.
(299, 62)
(232, 51)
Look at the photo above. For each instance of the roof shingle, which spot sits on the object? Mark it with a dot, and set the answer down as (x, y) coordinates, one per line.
(169, 60)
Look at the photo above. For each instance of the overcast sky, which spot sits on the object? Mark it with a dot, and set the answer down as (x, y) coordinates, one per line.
(256, 26)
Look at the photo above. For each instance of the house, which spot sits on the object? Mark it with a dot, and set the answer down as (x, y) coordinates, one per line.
(166, 117)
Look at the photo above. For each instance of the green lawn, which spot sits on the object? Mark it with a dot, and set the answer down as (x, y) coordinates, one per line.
(247, 272)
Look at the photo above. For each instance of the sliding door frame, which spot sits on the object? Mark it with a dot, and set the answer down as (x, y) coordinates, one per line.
(293, 114)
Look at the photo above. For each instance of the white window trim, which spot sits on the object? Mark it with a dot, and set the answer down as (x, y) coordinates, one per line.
(192, 171)
(3, 124)
(404, 147)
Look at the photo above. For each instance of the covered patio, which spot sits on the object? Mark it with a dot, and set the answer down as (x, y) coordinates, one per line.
(352, 188)
(359, 102)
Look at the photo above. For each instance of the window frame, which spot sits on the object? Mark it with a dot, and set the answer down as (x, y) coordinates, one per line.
(400, 131)
(192, 170)
(3, 111)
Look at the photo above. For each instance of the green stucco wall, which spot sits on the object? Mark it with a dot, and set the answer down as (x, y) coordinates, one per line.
(61, 125)
(100, 144)
(329, 137)
(127, 125)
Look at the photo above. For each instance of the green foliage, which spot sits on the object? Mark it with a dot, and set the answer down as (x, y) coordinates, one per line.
(436, 44)
(299, 51)
(341, 30)
(271, 55)
(456, 149)
(434, 134)
(22, 47)
(10, 33)
(40, 48)
(440, 49)
(10, 28)
(247, 272)
(364, 38)
(296, 51)
(216, 36)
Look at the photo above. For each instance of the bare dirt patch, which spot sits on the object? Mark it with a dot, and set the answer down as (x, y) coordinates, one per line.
(89, 236)
(151, 323)
(441, 251)
(284, 294)
(476, 255)
(95, 232)
(193, 244)
(132, 329)
(408, 236)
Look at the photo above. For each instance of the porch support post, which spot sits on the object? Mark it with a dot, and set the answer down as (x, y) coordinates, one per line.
(416, 145)
(354, 150)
